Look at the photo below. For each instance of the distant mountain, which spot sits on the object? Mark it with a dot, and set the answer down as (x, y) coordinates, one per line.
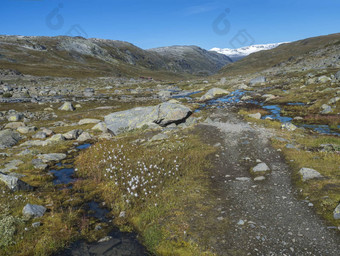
(192, 59)
(312, 53)
(80, 57)
(240, 53)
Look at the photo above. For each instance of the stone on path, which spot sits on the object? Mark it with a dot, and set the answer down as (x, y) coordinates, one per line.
(261, 167)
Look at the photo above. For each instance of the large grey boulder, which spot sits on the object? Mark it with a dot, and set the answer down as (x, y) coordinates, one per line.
(169, 113)
(258, 80)
(8, 138)
(14, 183)
(308, 174)
(33, 210)
(52, 157)
(163, 115)
(73, 135)
(212, 93)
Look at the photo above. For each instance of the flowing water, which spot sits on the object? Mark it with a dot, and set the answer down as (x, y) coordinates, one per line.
(235, 98)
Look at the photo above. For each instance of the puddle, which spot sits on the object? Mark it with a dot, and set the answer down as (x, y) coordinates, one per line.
(63, 176)
(84, 146)
(296, 104)
(97, 212)
(118, 244)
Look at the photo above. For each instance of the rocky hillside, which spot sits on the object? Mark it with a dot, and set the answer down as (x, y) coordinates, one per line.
(80, 57)
(311, 53)
(192, 59)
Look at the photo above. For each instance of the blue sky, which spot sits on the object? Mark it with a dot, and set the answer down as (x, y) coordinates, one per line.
(154, 23)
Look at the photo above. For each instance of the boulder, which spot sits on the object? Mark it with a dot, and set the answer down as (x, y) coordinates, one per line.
(336, 213)
(213, 93)
(52, 157)
(326, 109)
(289, 126)
(308, 174)
(85, 136)
(56, 138)
(39, 164)
(337, 75)
(26, 129)
(100, 127)
(14, 125)
(8, 138)
(255, 116)
(163, 115)
(14, 183)
(169, 113)
(15, 117)
(67, 106)
(258, 80)
(33, 210)
(324, 79)
(89, 121)
(73, 135)
(40, 135)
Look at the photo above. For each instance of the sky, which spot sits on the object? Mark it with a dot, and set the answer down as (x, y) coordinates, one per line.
(156, 23)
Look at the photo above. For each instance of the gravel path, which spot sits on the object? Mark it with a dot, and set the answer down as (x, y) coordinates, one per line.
(257, 217)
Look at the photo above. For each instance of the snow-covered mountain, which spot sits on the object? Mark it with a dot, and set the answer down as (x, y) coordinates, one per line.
(237, 54)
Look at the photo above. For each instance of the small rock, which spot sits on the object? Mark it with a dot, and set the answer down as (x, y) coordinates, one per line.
(255, 116)
(260, 178)
(240, 222)
(26, 129)
(122, 214)
(105, 239)
(289, 126)
(336, 213)
(67, 106)
(242, 179)
(308, 174)
(36, 224)
(261, 167)
(33, 210)
(14, 183)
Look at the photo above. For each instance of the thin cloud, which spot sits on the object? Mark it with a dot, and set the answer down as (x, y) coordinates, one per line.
(199, 9)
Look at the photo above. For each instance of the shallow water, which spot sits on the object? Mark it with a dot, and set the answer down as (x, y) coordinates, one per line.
(84, 146)
(275, 111)
(185, 94)
(63, 176)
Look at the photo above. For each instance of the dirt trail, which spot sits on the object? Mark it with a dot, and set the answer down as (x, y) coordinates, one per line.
(256, 217)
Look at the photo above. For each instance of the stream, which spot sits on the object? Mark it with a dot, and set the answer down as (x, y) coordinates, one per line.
(234, 98)
(115, 243)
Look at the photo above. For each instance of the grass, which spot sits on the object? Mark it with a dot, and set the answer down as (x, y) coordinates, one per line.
(159, 205)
